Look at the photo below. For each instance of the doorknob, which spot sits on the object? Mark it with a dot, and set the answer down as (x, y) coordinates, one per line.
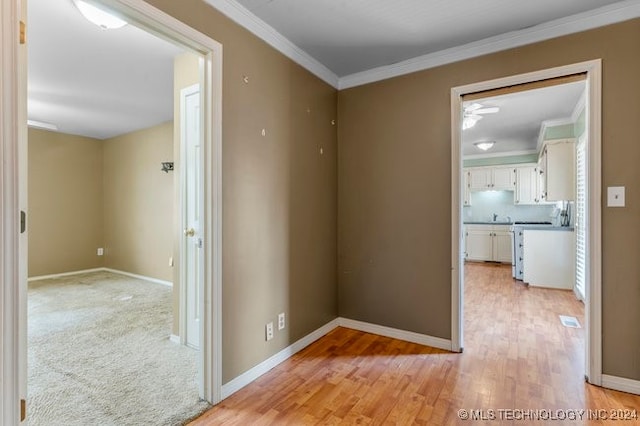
(190, 232)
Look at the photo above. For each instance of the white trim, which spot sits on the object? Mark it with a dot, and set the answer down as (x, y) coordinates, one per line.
(550, 123)
(11, 285)
(65, 274)
(88, 271)
(252, 374)
(593, 311)
(394, 333)
(621, 384)
(245, 18)
(606, 15)
(593, 281)
(140, 277)
(500, 154)
(580, 105)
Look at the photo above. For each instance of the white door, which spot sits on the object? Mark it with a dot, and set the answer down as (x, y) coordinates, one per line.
(191, 170)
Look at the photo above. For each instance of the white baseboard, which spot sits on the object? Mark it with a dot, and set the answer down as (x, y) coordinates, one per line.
(64, 274)
(86, 271)
(249, 376)
(175, 339)
(621, 384)
(409, 336)
(140, 277)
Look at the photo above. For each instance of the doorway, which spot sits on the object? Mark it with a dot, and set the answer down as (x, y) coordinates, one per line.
(13, 143)
(593, 364)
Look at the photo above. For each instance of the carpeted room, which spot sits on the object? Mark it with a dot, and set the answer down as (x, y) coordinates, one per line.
(99, 342)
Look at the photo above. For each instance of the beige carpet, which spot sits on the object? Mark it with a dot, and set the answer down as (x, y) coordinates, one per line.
(100, 354)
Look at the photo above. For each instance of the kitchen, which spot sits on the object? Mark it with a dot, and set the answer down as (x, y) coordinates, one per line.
(523, 184)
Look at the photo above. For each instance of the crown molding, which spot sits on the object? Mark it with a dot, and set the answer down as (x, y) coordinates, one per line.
(611, 14)
(245, 18)
(550, 123)
(505, 154)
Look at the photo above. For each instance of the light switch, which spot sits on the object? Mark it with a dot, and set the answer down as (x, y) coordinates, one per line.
(615, 196)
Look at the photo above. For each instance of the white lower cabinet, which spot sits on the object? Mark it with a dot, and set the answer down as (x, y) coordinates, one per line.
(488, 243)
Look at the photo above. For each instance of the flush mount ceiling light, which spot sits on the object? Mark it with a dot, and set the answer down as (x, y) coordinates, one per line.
(99, 17)
(485, 145)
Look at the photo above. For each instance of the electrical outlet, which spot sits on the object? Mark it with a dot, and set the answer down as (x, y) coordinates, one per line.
(269, 331)
(100, 251)
(281, 322)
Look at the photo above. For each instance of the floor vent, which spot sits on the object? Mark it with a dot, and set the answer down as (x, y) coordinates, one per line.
(569, 321)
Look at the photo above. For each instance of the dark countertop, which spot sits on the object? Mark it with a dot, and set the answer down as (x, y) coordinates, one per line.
(488, 223)
(526, 227)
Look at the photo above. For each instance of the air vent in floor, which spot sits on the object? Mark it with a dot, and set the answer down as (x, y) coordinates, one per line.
(569, 321)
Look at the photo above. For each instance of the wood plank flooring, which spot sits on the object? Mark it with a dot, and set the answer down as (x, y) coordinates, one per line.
(517, 355)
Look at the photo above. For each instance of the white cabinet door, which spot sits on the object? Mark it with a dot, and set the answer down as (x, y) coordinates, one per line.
(502, 246)
(480, 179)
(504, 179)
(561, 170)
(479, 244)
(526, 186)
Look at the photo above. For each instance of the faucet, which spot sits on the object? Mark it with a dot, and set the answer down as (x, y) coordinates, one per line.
(509, 219)
(495, 217)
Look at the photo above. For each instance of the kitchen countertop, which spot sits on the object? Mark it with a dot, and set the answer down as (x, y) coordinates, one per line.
(488, 223)
(526, 227)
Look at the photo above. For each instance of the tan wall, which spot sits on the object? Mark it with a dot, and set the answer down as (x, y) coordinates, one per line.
(279, 193)
(65, 203)
(186, 72)
(138, 202)
(395, 188)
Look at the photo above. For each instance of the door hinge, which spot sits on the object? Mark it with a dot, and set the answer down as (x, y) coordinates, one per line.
(23, 32)
(23, 410)
(23, 221)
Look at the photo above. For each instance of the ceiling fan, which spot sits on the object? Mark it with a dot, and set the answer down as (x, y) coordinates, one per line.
(474, 112)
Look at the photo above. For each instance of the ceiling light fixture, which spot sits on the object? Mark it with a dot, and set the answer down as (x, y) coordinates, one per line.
(485, 145)
(99, 17)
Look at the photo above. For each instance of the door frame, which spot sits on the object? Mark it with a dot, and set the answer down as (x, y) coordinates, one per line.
(13, 278)
(13, 142)
(593, 305)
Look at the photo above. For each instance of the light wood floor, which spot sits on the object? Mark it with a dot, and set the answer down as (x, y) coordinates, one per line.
(517, 355)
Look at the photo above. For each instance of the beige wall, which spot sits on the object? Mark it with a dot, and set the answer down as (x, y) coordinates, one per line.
(138, 202)
(395, 188)
(186, 72)
(65, 203)
(279, 193)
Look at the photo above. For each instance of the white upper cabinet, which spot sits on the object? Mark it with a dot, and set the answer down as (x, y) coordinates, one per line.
(492, 178)
(558, 165)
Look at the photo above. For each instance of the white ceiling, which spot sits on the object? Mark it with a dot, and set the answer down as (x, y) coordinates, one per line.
(104, 83)
(93, 82)
(516, 127)
(350, 36)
